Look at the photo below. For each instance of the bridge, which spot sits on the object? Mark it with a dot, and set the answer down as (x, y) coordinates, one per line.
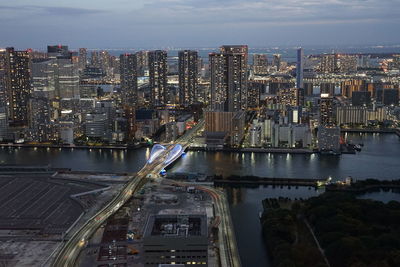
(160, 157)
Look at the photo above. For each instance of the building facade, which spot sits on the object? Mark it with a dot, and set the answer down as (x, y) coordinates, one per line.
(18, 85)
(228, 71)
(158, 78)
(188, 63)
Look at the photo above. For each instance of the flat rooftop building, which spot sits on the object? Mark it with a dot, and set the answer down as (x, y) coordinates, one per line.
(176, 239)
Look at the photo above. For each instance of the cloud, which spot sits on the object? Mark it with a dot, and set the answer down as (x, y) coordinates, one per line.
(191, 21)
(48, 10)
(228, 12)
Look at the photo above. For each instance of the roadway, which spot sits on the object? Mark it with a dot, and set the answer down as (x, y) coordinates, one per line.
(229, 254)
(69, 252)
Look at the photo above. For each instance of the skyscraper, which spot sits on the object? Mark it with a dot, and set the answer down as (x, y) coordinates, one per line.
(65, 71)
(277, 61)
(328, 133)
(39, 119)
(300, 68)
(82, 58)
(228, 70)
(326, 110)
(95, 59)
(187, 77)
(260, 64)
(3, 98)
(142, 58)
(105, 62)
(18, 88)
(44, 77)
(67, 79)
(158, 77)
(328, 63)
(128, 72)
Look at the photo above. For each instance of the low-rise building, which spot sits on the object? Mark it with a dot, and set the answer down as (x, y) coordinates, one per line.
(176, 239)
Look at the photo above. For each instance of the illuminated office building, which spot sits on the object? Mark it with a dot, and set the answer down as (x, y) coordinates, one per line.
(276, 61)
(158, 78)
(300, 68)
(18, 86)
(188, 61)
(326, 111)
(128, 74)
(260, 64)
(328, 63)
(228, 70)
(82, 58)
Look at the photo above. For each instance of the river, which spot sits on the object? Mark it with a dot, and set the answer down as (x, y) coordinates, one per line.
(380, 159)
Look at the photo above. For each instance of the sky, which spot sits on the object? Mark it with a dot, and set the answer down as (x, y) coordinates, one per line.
(198, 23)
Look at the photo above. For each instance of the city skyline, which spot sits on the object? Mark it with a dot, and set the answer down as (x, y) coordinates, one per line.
(229, 133)
(176, 23)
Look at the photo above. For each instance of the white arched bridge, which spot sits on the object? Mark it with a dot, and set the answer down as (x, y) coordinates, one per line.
(165, 155)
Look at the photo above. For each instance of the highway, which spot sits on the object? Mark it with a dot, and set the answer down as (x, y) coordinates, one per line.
(69, 252)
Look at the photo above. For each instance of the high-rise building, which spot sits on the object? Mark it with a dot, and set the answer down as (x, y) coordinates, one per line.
(67, 79)
(128, 74)
(329, 139)
(260, 64)
(158, 77)
(228, 70)
(300, 68)
(351, 115)
(82, 58)
(254, 90)
(105, 62)
(44, 73)
(363, 61)
(230, 123)
(326, 111)
(3, 123)
(353, 85)
(96, 125)
(346, 63)
(39, 119)
(142, 62)
(3, 98)
(18, 85)
(276, 61)
(290, 97)
(188, 61)
(328, 63)
(95, 59)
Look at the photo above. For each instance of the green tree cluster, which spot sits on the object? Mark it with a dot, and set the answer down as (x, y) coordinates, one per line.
(356, 232)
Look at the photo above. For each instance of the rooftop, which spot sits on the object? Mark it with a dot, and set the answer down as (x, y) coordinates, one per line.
(176, 225)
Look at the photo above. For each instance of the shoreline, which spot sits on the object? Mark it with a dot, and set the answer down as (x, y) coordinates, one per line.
(238, 150)
(257, 150)
(122, 147)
